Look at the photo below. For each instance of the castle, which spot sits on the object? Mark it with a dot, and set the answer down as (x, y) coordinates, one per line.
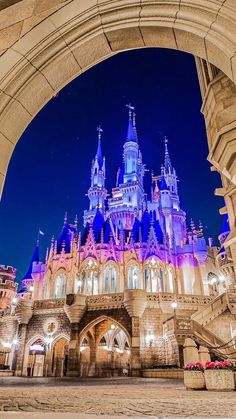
(128, 290)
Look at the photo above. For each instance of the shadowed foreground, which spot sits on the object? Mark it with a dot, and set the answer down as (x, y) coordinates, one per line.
(135, 397)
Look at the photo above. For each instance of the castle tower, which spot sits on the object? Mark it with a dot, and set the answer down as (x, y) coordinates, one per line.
(8, 286)
(97, 192)
(128, 196)
(34, 275)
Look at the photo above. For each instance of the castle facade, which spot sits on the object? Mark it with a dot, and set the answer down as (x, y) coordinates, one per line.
(123, 294)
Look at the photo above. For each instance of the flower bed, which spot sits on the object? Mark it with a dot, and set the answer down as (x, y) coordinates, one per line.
(194, 376)
(219, 376)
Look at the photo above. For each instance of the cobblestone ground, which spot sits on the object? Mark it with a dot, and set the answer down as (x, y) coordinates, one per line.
(132, 397)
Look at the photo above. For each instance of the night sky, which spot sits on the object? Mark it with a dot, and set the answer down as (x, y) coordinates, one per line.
(49, 172)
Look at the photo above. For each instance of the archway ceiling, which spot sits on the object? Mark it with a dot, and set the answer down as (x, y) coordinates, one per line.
(44, 44)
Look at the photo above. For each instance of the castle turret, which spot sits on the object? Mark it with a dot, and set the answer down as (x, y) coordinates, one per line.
(8, 286)
(128, 196)
(97, 192)
(30, 284)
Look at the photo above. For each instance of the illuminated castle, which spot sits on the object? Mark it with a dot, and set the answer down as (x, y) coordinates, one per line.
(104, 299)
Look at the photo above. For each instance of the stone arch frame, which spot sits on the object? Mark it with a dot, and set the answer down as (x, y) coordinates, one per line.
(60, 336)
(113, 264)
(26, 351)
(100, 319)
(79, 35)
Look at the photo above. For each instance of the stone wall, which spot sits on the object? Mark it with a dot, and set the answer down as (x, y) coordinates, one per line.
(37, 322)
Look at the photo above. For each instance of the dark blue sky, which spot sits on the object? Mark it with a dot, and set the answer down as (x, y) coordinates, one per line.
(49, 172)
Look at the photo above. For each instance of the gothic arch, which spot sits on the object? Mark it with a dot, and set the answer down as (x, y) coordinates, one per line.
(30, 342)
(79, 35)
(98, 320)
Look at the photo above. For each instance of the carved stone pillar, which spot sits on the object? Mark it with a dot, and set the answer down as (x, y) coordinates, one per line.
(75, 307)
(135, 348)
(135, 302)
(73, 366)
(92, 362)
(24, 312)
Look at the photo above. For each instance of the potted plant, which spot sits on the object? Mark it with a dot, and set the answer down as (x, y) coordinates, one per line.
(219, 376)
(194, 376)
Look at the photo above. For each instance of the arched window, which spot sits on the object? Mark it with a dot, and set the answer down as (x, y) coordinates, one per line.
(110, 279)
(153, 276)
(60, 285)
(170, 281)
(88, 279)
(134, 277)
(46, 286)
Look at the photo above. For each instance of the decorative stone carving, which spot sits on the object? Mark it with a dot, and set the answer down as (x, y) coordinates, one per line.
(76, 307)
(104, 301)
(219, 380)
(24, 311)
(135, 302)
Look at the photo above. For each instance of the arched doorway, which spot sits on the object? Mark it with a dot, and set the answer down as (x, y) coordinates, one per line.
(104, 349)
(60, 357)
(42, 62)
(36, 358)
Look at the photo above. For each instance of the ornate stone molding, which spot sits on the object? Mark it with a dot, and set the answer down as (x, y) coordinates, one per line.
(135, 302)
(24, 311)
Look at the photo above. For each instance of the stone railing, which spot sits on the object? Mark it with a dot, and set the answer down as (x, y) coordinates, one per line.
(49, 304)
(215, 307)
(105, 301)
(183, 300)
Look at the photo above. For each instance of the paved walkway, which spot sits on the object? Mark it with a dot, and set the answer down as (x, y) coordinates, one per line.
(109, 398)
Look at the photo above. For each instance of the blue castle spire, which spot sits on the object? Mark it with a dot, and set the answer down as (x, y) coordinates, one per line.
(168, 165)
(97, 192)
(35, 258)
(131, 132)
(99, 149)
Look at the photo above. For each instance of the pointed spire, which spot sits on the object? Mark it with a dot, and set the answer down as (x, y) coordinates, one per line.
(99, 149)
(76, 220)
(65, 218)
(35, 258)
(192, 225)
(163, 184)
(168, 164)
(131, 132)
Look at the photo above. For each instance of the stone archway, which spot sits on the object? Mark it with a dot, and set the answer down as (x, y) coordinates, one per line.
(48, 52)
(104, 349)
(59, 357)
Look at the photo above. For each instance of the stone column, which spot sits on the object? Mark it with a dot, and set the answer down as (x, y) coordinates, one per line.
(135, 303)
(135, 348)
(73, 366)
(48, 363)
(75, 307)
(24, 312)
(190, 351)
(92, 362)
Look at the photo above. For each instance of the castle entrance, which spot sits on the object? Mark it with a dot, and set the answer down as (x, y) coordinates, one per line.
(60, 358)
(104, 350)
(36, 359)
